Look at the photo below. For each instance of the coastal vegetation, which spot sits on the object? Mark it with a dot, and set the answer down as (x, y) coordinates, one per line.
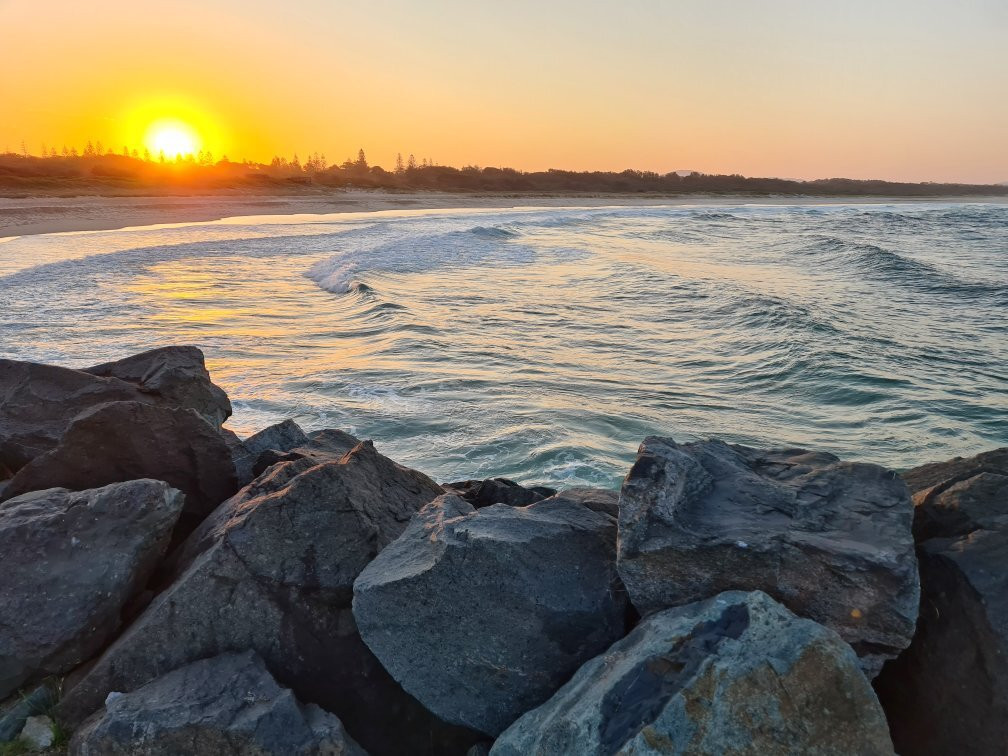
(97, 170)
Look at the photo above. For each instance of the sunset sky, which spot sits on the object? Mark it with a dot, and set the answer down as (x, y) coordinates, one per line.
(896, 89)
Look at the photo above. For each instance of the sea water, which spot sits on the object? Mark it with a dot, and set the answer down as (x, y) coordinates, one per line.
(545, 344)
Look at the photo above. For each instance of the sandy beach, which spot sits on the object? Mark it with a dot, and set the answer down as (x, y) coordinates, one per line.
(46, 215)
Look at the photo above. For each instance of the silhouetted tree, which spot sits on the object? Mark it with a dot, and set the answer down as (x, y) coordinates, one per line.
(411, 163)
(399, 167)
(295, 164)
(146, 155)
(361, 163)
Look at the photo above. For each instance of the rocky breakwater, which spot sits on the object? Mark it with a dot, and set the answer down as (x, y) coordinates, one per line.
(170, 587)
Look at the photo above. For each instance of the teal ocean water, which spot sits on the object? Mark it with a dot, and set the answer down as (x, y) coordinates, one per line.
(544, 344)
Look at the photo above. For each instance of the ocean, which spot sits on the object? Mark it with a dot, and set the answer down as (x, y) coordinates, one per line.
(544, 344)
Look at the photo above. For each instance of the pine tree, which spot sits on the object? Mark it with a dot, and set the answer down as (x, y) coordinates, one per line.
(399, 167)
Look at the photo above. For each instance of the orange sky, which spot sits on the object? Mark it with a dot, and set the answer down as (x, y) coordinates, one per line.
(802, 89)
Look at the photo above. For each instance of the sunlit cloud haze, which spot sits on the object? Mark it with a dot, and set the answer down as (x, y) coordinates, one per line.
(801, 89)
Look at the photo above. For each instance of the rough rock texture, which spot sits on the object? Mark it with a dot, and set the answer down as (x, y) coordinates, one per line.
(129, 440)
(599, 499)
(326, 445)
(484, 493)
(176, 375)
(482, 614)
(276, 576)
(70, 563)
(228, 704)
(38, 402)
(829, 539)
(738, 673)
(280, 437)
(948, 692)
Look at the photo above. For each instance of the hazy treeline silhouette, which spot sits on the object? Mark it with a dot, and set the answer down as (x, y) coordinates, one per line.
(97, 170)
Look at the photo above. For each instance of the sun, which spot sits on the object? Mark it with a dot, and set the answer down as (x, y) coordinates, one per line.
(172, 137)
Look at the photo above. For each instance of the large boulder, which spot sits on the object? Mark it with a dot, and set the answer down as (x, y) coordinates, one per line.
(484, 613)
(38, 402)
(948, 692)
(275, 574)
(129, 440)
(737, 673)
(71, 561)
(228, 704)
(830, 540)
(176, 376)
(285, 442)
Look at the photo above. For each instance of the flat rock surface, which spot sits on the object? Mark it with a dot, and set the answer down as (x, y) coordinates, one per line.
(71, 561)
(483, 613)
(831, 540)
(738, 673)
(228, 704)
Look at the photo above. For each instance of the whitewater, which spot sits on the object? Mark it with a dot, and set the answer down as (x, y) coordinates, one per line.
(545, 344)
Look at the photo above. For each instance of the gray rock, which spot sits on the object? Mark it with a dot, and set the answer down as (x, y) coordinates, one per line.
(482, 614)
(326, 445)
(948, 692)
(71, 562)
(737, 673)
(598, 499)
(228, 704)
(13, 719)
(280, 437)
(176, 375)
(830, 540)
(38, 733)
(484, 493)
(129, 440)
(275, 574)
(38, 402)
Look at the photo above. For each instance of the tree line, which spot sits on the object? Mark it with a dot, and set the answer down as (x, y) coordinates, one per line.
(129, 169)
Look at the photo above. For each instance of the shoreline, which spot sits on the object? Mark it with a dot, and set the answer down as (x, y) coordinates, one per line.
(29, 216)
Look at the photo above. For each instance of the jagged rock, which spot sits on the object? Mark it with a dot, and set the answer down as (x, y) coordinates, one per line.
(177, 375)
(228, 704)
(130, 440)
(38, 402)
(325, 445)
(948, 692)
(280, 437)
(599, 499)
(484, 493)
(70, 563)
(276, 576)
(737, 673)
(831, 540)
(484, 613)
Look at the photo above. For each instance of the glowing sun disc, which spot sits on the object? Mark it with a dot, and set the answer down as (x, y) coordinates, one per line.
(172, 137)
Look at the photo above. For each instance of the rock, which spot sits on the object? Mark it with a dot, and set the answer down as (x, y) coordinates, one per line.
(275, 575)
(129, 440)
(326, 445)
(483, 493)
(226, 704)
(38, 734)
(737, 673)
(482, 614)
(176, 375)
(13, 719)
(830, 540)
(71, 562)
(598, 499)
(280, 437)
(955, 498)
(38, 402)
(945, 474)
(948, 692)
